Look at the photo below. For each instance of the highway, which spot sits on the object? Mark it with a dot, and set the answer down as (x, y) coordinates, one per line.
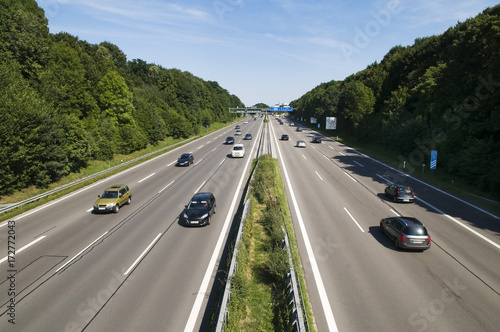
(356, 279)
(141, 270)
(135, 270)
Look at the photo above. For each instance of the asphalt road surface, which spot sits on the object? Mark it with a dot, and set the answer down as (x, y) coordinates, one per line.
(356, 278)
(137, 270)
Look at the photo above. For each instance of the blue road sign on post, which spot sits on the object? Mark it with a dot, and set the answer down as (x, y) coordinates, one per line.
(434, 157)
(281, 109)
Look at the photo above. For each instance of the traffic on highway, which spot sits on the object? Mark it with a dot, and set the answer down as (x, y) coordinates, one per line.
(381, 249)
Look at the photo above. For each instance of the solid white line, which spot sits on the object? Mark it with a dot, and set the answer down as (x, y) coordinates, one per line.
(147, 177)
(461, 224)
(81, 252)
(428, 185)
(327, 309)
(319, 175)
(25, 247)
(358, 163)
(193, 316)
(142, 255)
(354, 220)
(350, 176)
(164, 188)
(200, 187)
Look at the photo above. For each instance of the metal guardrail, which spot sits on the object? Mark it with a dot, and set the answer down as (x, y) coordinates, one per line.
(296, 299)
(53, 191)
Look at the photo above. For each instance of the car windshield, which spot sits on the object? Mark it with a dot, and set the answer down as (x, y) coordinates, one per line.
(405, 190)
(109, 194)
(238, 148)
(416, 231)
(184, 156)
(198, 205)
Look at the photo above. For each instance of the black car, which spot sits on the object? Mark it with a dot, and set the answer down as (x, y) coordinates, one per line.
(200, 209)
(316, 139)
(248, 136)
(229, 140)
(400, 193)
(284, 137)
(237, 127)
(185, 159)
(406, 232)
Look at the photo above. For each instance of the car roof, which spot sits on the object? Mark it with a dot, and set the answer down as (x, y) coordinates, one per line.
(237, 145)
(203, 195)
(410, 221)
(116, 186)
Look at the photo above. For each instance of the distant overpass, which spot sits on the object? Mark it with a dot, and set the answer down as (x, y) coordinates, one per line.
(255, 110)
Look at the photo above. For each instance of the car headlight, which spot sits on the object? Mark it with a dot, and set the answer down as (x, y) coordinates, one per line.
(185, 216)
(110, 205)
(95, 206)
(204, 216)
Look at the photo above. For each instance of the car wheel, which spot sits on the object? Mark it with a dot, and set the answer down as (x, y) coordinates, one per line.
(382, 229)
(395, 199)
(215, 209)
(116, 208)
(208, 220)
(129, 200)
(396, 243)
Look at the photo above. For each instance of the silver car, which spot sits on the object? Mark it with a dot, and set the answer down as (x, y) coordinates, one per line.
(406, 232)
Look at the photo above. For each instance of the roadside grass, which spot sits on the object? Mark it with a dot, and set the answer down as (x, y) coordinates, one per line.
(259, 300)
(93, 167)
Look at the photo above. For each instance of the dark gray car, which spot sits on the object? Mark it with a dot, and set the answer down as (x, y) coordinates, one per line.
(200, 209)
(400, 193)
(406, 232)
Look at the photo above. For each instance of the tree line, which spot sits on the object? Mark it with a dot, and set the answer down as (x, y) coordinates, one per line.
(441, 93)
(65, 101)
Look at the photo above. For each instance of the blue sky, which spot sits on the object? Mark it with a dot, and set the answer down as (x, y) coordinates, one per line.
(269, 51)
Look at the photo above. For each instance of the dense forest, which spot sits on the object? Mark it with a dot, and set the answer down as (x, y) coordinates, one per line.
(442, 93)
(65, 101)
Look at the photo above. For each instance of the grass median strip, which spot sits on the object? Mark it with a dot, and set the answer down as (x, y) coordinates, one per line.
(260, 298)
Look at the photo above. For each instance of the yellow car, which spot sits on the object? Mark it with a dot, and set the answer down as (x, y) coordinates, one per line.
(113, 198)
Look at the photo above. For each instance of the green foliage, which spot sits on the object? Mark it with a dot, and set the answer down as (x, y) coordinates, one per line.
(441, 93)
(65, 101)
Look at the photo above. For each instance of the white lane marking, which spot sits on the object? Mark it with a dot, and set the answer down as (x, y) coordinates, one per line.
(165, 188)
(200, 147)
(319, 175)
(215, 149)
(195, 311)
(223, 160)
(325, 157)
(354, 219)
(331, 147)
(142, 255)
(304, 157)
(350, 176)
(428, 185)
(201, 186)
(380, 176)
(358, 163)
(81, 252)
(173, 162)
(147, 177)
(327, 309)
(199, 161)
(23, 248)
(461, 224)
(341, 153)
(395, 212)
